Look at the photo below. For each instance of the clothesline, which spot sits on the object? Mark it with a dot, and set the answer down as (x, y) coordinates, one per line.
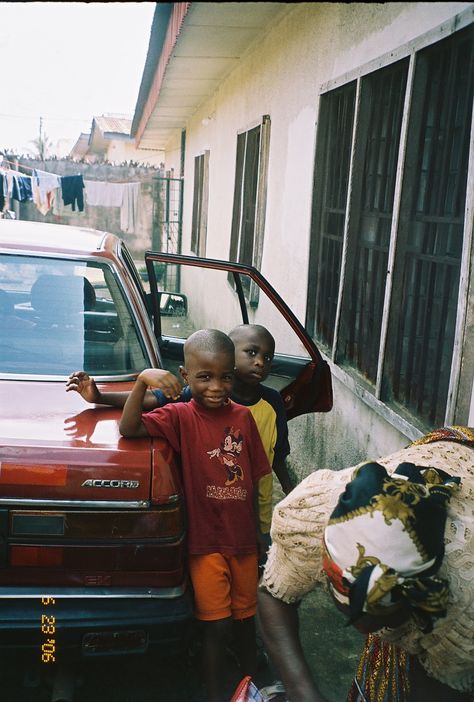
(45, 189)
(21, 165)
(13, 163)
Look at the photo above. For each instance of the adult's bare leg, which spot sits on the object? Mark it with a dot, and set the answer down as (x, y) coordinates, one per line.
(279, 625)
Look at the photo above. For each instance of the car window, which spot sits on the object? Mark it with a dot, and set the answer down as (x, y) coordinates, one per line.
(208, 298)
(211, 300)
(59, 315)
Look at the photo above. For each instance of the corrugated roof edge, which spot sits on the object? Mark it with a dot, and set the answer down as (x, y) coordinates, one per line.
(157, 37)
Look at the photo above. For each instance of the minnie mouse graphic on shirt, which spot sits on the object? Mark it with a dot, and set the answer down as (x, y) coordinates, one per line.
(228, 454)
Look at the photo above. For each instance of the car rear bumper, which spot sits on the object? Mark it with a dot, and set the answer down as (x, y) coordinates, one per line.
(96, 624)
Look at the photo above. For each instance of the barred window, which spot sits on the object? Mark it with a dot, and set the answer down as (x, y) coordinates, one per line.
(388, 224)
(384, 93)
(329, 208)
(433, 200)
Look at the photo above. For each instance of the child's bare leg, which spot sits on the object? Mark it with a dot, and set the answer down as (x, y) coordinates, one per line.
(245, 643)
(216, 636)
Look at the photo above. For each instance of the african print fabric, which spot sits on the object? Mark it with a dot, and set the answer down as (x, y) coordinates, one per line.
(294, 565)
(383, 673)
(385, 540)
(464, 435)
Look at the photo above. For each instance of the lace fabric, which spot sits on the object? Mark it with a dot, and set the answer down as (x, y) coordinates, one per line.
(294, 565)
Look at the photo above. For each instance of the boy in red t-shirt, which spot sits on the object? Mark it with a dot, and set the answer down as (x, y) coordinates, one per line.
(223, 461)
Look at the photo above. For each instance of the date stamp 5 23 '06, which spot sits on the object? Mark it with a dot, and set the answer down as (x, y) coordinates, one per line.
(48, 630)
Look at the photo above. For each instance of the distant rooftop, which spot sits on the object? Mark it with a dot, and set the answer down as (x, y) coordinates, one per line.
(113, 124)
(81, 146)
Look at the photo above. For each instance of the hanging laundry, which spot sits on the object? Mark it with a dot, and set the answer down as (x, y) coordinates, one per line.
(21, 189)
(3, 191)
(104, 194)
(72, 190)
(130, 208)
(45, 189)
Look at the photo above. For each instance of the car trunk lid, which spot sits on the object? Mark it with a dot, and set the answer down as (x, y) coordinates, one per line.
(55, 447)
(80, 506)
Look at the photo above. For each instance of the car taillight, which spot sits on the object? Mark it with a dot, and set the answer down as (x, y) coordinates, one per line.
(31, 474)
(91, 525)
(122, 557)
(165, 480)
(38, 556)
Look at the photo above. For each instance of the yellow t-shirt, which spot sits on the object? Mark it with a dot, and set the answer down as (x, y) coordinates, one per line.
(270, 418)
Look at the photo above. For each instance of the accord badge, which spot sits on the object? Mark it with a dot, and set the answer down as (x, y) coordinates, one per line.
(131, 484)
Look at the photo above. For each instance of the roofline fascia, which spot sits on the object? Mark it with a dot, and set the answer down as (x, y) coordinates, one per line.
(119, 136)
(157, 37)
(167, 22)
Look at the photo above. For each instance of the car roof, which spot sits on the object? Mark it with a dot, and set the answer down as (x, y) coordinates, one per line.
(59, 238)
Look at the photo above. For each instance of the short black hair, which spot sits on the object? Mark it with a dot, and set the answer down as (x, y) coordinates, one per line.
(234, 333)
(209, 341)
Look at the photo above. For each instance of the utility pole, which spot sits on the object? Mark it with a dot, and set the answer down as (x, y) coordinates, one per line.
(40, 143)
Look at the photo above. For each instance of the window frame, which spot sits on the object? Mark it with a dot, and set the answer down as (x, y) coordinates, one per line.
(461, 374)
(200, 204)
(260, 200)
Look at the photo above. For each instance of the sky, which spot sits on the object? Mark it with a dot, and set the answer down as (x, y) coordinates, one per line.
(68, 62)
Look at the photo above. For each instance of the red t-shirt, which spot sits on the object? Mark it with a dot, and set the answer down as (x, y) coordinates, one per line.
(222, 459)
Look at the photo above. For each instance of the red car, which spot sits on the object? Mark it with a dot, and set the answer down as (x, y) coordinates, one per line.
(92, 525)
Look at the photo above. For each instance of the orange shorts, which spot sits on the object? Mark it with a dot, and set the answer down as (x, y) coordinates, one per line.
(224, 586)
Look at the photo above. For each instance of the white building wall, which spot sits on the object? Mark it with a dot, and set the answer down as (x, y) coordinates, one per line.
(281, 75)
(124, 151)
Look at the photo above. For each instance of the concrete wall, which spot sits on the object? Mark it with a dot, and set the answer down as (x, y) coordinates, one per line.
(124, 151)
(281, 75)
(102, 218)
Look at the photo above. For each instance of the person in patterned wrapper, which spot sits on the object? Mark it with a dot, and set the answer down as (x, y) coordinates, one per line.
(393, 540)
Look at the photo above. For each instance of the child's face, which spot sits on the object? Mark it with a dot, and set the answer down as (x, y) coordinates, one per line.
(254, 352)
(210, 377)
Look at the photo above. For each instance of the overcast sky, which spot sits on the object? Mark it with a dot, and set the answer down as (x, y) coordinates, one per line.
(67, 62)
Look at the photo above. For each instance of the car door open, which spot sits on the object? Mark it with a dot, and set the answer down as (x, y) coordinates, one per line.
(221, 295)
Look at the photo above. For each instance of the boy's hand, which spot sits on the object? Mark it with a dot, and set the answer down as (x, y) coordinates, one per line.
(84, 385)
(163, 380)
(286, 478)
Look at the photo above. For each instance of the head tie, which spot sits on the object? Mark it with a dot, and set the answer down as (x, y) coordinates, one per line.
(384, 542)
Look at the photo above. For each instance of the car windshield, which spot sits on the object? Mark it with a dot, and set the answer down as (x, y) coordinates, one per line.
(58, 315)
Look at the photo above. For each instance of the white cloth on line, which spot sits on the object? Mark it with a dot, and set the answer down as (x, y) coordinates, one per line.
(45, 188)
(130, 208)
(103, 194)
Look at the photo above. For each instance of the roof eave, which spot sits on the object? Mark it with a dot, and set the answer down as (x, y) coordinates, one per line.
(200, 46)
(155, 45)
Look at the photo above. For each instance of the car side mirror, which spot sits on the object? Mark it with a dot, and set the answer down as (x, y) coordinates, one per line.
(173, 304)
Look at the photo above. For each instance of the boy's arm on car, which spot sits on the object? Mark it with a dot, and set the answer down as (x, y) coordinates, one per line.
(131, 424)
(86, 386)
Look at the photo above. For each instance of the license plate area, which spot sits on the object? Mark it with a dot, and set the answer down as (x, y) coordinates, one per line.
(103, 643)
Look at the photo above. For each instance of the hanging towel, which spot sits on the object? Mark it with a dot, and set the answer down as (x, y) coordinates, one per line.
(45, 187)
(72, 190)
(104, 194)
(129, 209)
